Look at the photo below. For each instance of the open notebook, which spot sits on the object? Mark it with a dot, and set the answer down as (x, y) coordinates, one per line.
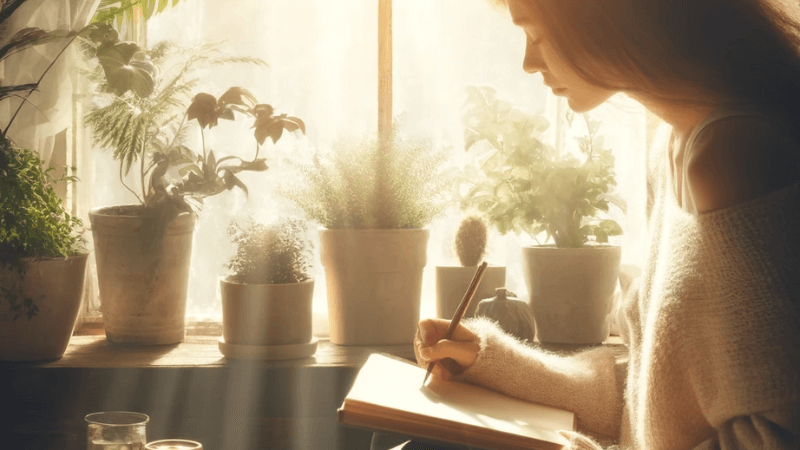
(388, 396)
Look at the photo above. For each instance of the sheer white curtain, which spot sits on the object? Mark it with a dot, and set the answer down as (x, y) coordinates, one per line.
(48, 110)
(322, 60)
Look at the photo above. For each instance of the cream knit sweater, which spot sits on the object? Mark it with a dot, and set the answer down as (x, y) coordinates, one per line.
(713, 332)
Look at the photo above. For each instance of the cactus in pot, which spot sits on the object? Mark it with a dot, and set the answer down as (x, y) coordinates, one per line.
(470, 245)
(470, 241)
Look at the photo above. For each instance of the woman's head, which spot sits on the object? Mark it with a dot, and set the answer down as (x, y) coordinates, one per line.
(701, 52)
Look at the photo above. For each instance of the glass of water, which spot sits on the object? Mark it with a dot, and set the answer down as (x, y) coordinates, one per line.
(119, 430)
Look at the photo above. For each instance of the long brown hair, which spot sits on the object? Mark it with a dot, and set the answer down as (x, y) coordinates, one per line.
(688, 51)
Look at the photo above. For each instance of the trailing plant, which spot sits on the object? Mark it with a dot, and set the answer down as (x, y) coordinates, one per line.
(368, 184)
(274, 253)
(33, 221)
(149, 114)
(526, 186)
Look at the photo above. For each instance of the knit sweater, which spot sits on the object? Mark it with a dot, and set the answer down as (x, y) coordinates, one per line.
(712, 328)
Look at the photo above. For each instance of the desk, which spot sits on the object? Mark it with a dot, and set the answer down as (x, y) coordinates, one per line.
(190, 391)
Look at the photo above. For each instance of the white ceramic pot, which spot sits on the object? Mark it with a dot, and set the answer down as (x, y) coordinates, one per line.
(374, 284)
(571, 291)
(452, 283)
(55, 285)
(267, 321)
(142, 280)
(266, 314)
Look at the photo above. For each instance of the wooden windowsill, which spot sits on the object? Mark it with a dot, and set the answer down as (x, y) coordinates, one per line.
(89, 348)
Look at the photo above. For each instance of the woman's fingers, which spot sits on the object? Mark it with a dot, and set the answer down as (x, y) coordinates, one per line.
(463, 353)
(431, 331)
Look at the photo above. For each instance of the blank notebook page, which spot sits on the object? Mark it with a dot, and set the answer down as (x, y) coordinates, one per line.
(397, 385)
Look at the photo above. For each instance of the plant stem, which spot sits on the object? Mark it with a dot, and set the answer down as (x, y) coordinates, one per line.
(203, 141)
(126, 186)
(141, 168)
(175, 137)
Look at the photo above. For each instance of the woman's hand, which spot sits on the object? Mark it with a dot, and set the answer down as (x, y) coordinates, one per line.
(452, 356)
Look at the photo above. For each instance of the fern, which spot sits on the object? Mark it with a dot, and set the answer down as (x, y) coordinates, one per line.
(121, 12)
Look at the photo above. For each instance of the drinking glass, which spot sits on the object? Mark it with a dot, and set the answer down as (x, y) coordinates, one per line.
(120, 430)
(173, 444)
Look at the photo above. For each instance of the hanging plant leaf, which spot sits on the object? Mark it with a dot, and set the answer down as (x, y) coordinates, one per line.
(8, 91)
(29, 37)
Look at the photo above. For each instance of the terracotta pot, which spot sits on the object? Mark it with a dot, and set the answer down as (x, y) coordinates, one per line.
(55, 285)
(452, 283)
(143, 279)
(374, 283)
(571, 291)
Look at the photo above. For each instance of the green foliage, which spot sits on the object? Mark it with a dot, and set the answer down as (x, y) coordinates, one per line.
(525, 186)
(140, 122)
(121, 12)
(366, 185)
(280, 252)
(33, 221)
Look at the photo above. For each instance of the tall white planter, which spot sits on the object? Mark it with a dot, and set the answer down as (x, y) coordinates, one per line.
(143, 284)
(571, 291)
(374, 283)
(55, 285)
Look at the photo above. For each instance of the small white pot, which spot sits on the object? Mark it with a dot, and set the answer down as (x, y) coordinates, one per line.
(266, 314)
(374, 283)
(142, 287)
(55, 285)
(571, 291)
(452, 283)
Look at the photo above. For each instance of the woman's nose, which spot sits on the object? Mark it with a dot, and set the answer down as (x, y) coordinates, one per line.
(533, 61)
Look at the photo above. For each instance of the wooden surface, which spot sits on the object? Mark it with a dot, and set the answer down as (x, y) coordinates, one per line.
(90, 349)
(190, 391)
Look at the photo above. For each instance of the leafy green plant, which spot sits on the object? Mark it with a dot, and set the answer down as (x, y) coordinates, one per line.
(33, 221)
(148, 116)
(121, 12)
(364, 184)
(526, 186)
(275, 253)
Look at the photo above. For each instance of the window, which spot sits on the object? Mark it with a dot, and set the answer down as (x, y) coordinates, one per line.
(323, 60)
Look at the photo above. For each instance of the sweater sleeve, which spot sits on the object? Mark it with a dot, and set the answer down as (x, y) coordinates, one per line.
(588, 383)
(777, 429)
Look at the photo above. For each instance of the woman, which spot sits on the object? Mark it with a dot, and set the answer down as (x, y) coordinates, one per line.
(712, 324)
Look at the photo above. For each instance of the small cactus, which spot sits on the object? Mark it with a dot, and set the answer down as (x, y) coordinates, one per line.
(471, 241)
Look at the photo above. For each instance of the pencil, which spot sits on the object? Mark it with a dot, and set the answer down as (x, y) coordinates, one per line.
(462, 308)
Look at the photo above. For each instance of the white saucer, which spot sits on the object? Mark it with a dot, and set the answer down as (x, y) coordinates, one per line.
(293, 351)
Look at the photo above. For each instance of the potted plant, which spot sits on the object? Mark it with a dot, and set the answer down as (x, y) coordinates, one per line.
(267, 295)
(42, 256)
(373, 199)
(453, 281)
(526, 186)
(42, 260)
(143, 251)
